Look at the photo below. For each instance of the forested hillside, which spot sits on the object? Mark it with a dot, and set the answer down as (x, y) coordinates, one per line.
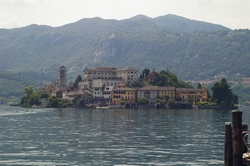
(12, 84)
(192, 50)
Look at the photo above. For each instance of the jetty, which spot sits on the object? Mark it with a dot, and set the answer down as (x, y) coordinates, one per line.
(236, 147)
(15, 105)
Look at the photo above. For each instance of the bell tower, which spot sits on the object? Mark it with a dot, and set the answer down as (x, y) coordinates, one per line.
(62, 76)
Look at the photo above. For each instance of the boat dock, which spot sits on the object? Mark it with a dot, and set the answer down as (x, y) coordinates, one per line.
(236, 147)
(15, 105)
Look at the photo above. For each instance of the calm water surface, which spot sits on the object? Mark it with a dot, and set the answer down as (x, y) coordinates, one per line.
(112, 136)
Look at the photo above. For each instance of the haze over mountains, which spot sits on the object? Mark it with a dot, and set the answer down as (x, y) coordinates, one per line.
(190, 49)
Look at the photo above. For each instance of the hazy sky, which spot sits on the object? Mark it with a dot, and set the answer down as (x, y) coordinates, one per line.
(19, 13)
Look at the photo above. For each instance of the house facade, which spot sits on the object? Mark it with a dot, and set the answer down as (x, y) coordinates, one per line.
(112, 76)
(123, 94)
(189, 95)
(166, 92)
(148, 92)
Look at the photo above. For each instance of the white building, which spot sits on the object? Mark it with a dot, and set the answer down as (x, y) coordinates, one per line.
(113, 76)
(148, 92)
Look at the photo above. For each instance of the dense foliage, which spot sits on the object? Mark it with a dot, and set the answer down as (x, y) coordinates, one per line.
(78, 79)
(30, 97)
(162, 78)
(13, 83)
(222, 94)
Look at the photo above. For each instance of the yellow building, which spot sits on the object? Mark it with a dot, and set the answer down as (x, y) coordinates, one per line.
(190, 95)
(164, 92)
(127, 95)
(182, 94)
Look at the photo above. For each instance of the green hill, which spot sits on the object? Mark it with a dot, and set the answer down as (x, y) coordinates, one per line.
(188, 48)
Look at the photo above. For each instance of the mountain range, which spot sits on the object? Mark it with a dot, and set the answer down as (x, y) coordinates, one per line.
(190, 49)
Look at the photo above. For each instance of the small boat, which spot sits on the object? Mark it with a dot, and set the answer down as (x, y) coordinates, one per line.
(102, 106)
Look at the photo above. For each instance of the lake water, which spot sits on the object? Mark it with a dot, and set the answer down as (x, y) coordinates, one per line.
(113, 136)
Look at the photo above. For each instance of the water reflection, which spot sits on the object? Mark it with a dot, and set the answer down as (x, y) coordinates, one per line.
(111, 137)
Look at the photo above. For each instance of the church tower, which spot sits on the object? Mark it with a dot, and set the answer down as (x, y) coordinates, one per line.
(62, 76)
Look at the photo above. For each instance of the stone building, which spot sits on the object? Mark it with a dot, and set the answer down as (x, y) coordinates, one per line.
(112, 76)
(62, 76)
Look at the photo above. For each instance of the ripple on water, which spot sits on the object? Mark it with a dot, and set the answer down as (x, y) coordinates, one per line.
(111, 137)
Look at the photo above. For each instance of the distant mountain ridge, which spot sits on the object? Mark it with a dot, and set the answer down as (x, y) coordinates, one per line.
(168, 41)
(182, 24)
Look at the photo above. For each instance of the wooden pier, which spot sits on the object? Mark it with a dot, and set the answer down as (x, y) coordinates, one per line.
(15, 105)
(236, 144)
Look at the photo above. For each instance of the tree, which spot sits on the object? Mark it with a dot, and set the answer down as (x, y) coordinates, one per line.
(26, 98)
(34, 99)
(222, 94)
(44, 95)
(78, 79)
(143, 101)
(54, 102)
(28, 90)
(199, 86)
(146, 72)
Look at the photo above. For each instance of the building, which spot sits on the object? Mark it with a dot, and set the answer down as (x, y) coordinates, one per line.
(246, 80)
(197, 95)
(62, 76)
(123, 94)
(128, 75)
(112, 76)
(190, 95)
(166, 92)
(148, 92)
(107, 85)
